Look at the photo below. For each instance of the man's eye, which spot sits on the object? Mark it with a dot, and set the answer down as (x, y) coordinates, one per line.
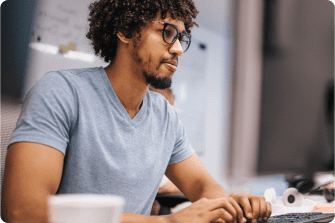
(167, 33)
(164, 32)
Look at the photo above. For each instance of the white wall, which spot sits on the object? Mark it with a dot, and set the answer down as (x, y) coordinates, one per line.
(216, 16)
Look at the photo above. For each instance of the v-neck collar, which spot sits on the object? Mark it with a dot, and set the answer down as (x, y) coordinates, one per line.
(137, 120)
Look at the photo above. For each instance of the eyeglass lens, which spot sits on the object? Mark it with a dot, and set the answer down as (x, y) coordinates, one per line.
(170, 34)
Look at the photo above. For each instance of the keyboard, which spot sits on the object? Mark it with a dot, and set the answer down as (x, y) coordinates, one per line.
(302, 217)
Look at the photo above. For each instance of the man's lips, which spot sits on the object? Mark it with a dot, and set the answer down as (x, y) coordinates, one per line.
(171, 67)
(171, 64)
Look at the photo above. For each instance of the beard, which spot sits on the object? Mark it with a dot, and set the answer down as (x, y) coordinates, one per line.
(157, 82)
(151, 78)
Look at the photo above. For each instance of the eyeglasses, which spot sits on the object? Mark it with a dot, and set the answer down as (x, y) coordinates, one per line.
(171, 34)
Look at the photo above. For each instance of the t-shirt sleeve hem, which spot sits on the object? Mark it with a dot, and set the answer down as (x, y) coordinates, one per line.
(60, 146)
(181, 157)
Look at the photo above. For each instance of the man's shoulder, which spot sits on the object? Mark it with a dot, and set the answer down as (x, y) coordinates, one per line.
(63, 82)
(70, 76)
(82, 72)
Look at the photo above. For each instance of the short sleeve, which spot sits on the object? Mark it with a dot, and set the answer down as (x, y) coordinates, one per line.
(48, 113)
(182, 149)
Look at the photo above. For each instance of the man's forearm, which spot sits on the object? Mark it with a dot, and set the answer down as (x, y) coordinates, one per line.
(212, 190)
(137, 218)
(34, 211)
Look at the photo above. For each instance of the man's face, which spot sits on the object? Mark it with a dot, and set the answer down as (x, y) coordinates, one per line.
(157, 59)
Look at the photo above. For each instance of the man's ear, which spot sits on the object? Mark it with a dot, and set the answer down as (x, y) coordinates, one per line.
(122, 37)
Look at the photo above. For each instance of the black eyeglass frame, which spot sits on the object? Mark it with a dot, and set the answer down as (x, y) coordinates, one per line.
(179, 35)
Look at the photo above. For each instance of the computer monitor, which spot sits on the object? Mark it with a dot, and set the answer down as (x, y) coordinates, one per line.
(16, 24)
(282, 117)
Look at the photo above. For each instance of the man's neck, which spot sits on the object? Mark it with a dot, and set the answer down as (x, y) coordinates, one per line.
(129, 87)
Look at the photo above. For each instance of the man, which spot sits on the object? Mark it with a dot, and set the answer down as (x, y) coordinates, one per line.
(99, 130)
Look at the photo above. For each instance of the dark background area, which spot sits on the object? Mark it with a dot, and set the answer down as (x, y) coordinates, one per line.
(16, 22)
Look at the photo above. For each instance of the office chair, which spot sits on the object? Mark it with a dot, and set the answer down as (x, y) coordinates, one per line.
(10, 112)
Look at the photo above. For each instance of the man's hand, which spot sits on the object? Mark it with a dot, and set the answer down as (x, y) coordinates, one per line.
(255, 207)
(209, 210)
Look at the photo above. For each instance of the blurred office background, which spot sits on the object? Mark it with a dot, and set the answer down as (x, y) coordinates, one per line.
(202, 84)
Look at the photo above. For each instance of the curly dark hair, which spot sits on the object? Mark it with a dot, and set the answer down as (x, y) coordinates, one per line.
(108, 17)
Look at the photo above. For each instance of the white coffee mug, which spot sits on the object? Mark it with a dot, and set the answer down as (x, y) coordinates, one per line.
(81, 208)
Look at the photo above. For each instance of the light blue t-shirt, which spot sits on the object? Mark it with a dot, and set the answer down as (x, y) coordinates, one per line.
(106, 152)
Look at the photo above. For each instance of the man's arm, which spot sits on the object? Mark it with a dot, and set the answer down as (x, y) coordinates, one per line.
(191, 177)
(32, 173)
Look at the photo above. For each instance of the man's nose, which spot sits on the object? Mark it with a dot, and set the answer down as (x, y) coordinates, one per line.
(176, 48)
